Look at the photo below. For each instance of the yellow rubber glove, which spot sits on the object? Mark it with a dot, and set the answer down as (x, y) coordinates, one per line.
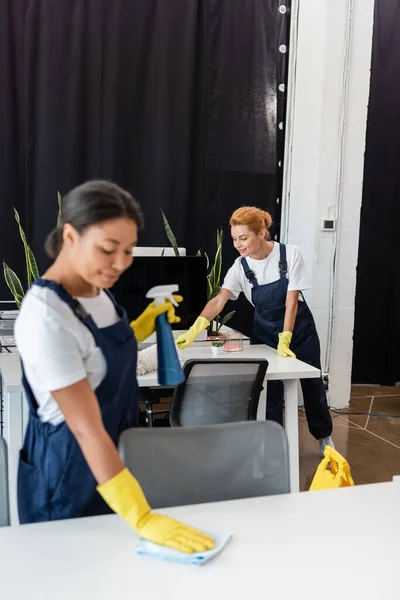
(186, 339)
(124, 495)
(145, 324)
(283, 345)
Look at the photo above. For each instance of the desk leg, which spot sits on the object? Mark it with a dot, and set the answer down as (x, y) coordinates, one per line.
(13, 424)
(292, 430)
(262, 403)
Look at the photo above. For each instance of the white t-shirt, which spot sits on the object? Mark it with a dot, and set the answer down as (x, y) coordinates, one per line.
(56, 349)
(266, 271)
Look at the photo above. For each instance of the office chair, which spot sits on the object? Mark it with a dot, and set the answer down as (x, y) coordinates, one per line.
(218, 391)
(211, 463)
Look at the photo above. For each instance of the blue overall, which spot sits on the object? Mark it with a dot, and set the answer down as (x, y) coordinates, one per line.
(270, 305)
(54, 480)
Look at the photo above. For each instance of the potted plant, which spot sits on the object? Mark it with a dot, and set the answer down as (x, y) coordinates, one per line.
(213, 277)
(214, 331)
(216, 347)
(32, 272)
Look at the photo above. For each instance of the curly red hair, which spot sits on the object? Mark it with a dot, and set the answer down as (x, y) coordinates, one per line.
(254, 218)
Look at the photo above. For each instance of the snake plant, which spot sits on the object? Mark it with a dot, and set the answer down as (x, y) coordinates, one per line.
(32, 272)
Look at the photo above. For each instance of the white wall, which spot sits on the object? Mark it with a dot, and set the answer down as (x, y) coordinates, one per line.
(313, 151)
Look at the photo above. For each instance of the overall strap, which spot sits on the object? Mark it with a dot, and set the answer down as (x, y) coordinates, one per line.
(32, 402)
(249, 273)
(111, 296)
(78, 311)
(62, 293)
(283, 267)
(121, 311)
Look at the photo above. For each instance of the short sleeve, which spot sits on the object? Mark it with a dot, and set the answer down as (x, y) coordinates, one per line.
(232, 282)
(51, 350)
(298, 279)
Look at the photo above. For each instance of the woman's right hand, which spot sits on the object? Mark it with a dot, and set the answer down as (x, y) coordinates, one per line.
(124, 495)
(186, 339)
(165, 531)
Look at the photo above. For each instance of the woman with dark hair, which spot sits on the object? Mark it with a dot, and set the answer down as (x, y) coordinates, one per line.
(79, 355)
(272, 277)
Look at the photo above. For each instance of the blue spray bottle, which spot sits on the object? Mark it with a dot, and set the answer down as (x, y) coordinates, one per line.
(169, 368)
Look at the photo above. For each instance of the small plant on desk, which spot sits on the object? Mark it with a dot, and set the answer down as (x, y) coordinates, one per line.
(216, 347)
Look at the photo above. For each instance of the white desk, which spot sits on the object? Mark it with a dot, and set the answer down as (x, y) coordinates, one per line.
(336, 545)
(288, 370)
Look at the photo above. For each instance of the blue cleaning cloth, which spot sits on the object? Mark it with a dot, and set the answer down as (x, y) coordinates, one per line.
(145, 548)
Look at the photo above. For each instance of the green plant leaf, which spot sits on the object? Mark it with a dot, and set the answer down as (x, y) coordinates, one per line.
(59, 216)
(220, 236)
(226, 317)
(32, 270)
(26, 247)
(33, 265)
(215, 273)
(208, 260)
(210, 279)
(170, 234)
(211, 276)
(218, 259)
(13, 284)
(218, 265)
(209, 290)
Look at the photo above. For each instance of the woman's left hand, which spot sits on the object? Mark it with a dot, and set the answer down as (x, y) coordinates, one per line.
(145, 324)
(283, 345)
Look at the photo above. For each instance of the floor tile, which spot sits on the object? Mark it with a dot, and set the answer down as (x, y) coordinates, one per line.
(358, 404)
(339, 421)
(387, 405)
(386, 427)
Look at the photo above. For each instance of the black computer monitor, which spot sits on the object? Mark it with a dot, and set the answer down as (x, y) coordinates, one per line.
(189, 272)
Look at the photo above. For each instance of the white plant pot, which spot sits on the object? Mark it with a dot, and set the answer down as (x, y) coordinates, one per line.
(216, 350)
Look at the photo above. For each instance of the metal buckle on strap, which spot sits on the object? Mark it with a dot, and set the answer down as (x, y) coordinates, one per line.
(79, 310)
(283, 266)
(251, 277)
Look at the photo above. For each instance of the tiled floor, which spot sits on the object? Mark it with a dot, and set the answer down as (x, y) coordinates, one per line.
(370, 444)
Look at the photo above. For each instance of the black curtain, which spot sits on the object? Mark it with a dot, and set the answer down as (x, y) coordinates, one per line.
(175, 100)
(376, 356)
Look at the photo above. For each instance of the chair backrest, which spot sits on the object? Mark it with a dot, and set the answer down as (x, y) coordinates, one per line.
(218, 391)
(4, 503)
(179, 466)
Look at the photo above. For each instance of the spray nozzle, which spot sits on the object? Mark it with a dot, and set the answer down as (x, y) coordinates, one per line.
(161, 293)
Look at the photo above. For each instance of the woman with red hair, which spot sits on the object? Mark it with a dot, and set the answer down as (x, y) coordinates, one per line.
(272, 276)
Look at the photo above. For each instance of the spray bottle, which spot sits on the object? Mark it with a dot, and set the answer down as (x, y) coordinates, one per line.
(169, 368)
